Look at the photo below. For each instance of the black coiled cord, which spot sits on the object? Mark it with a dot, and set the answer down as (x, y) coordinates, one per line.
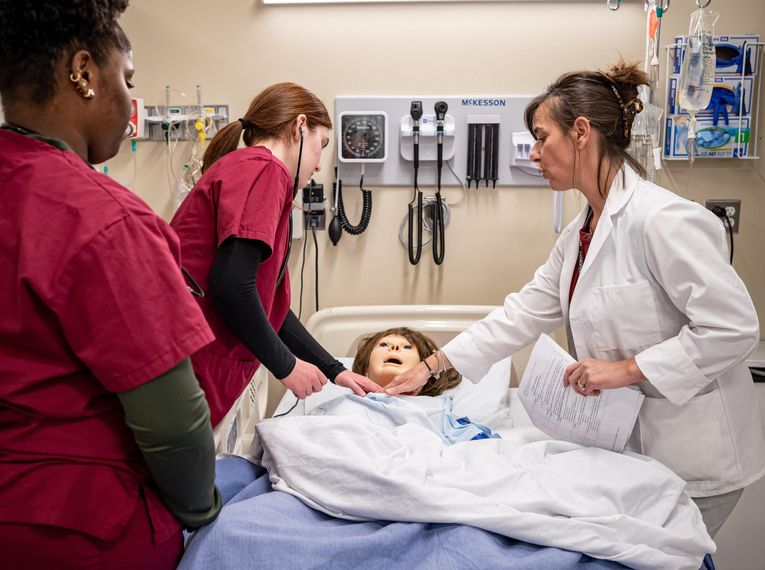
(366, 209)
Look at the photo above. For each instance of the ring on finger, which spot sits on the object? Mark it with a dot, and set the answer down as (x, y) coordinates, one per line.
(582, 387)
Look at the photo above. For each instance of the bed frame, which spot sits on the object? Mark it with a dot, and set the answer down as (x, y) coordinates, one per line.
(340, 329)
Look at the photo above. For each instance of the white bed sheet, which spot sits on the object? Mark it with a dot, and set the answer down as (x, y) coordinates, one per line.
(622, 507)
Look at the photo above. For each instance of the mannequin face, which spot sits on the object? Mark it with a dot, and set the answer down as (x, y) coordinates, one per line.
(393, 355)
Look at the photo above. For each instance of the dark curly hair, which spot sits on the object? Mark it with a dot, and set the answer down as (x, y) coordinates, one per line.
(37, 35)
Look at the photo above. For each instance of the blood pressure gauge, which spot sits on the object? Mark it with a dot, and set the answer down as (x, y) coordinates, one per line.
(363, 136)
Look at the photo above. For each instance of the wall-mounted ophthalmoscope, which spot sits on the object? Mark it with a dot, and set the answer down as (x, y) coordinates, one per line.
(439, 243)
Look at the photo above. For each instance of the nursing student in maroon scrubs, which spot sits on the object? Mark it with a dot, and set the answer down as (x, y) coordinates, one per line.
(106, 449)
(234, 231)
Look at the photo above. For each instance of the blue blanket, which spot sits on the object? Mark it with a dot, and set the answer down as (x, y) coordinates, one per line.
(266, 529)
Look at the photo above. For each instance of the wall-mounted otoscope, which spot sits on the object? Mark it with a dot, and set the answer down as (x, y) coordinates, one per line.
(415, 247)
(439, 244)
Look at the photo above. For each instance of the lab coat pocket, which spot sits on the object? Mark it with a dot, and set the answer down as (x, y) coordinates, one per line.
(624, 317)
(694, 440)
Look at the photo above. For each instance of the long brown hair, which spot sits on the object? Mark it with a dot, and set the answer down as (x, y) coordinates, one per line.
(271, 115)
(608, 99)
(424, 345)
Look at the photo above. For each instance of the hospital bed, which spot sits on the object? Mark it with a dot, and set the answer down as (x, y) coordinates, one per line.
(266, 523)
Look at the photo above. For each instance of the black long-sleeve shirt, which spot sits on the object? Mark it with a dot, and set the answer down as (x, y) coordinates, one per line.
(233, 287)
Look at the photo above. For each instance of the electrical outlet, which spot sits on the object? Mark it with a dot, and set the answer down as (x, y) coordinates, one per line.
(732, 209)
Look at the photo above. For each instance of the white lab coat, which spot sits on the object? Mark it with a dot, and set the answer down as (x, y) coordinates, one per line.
(656, 284)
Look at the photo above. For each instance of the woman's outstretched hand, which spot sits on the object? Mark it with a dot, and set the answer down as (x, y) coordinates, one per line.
(410, 382)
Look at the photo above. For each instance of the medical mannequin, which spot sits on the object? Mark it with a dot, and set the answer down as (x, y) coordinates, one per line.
(641, 281)
(106, 449)
(391, 352)
(235, 234)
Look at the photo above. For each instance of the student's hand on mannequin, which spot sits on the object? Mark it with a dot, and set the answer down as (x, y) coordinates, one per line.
(410, 382)
(356, 382)
(304, 380)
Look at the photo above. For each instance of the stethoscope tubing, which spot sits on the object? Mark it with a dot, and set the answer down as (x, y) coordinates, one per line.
(283, 268)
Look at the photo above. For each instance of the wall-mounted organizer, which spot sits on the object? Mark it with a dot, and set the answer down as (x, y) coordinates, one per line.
(484, 141)
(183, 122)
(728, 127)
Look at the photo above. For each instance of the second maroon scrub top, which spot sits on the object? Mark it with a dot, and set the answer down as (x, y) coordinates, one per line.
(245, 194)
(92, 303)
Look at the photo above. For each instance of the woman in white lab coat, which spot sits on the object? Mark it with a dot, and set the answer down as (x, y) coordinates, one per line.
(641, 280)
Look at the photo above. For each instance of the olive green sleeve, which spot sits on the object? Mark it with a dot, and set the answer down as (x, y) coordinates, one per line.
(170, 421)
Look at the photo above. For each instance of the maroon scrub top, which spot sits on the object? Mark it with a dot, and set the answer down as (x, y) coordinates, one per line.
(245, 194)
(92, 303)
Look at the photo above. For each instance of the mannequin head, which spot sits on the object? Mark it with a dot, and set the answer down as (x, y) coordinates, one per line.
(383, 356)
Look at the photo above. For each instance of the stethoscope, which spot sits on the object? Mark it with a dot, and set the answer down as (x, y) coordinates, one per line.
(415, 248)
(283, 268)
(439, 240)
(192, 285)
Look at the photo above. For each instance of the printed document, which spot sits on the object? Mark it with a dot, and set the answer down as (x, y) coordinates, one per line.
(604, 421)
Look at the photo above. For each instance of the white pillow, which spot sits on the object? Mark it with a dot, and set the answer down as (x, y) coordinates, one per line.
(480, 401)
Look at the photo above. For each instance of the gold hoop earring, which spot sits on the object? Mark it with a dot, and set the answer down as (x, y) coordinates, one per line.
(85, 91)
(81, 85)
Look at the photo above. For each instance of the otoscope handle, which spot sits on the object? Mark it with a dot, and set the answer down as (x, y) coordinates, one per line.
(440, 108)
(415, 111)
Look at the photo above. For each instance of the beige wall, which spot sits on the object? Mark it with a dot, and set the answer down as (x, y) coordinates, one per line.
(497, 238)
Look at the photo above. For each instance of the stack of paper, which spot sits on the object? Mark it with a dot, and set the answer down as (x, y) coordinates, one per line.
(604, 421)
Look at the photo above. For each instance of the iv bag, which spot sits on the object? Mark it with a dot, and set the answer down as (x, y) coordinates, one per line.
(644, 136)
(697, 73)
(183, 187)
